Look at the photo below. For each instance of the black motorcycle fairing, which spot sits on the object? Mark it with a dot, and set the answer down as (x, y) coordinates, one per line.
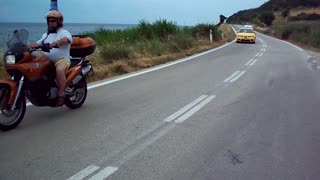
(38, 90)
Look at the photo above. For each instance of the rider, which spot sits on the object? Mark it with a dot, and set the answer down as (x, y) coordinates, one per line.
(60, 41)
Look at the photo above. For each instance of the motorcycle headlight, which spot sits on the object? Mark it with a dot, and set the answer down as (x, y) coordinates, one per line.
(10, 59)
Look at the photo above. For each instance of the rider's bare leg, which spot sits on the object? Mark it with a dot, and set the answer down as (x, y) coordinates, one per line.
(61, 77)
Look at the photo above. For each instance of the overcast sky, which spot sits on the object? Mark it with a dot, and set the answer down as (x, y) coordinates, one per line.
(183, 12)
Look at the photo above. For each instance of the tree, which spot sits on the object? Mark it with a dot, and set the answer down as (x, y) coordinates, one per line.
(222, 19)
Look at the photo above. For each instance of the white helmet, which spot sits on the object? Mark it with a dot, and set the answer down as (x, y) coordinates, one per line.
(57, 15)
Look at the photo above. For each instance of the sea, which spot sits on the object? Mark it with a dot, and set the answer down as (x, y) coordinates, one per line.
(37, 29)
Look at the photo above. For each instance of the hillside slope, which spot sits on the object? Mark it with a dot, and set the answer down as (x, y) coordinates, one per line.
(281, 6)
(297, 21)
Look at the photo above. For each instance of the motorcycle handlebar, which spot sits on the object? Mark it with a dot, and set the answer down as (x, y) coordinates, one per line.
(43, 47)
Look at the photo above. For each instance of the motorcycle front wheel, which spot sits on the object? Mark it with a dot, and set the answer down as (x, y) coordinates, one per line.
(79, 95)
(10, 119)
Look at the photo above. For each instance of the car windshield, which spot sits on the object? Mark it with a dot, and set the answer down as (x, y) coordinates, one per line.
(246, 30)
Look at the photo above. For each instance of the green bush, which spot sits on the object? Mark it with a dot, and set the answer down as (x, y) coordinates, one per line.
(114, 52)
(182, 41)
(164, 28)
(156, 47)
(141, 47)
(307, 32)
(145, 30)
(203, 31)
(160, 29)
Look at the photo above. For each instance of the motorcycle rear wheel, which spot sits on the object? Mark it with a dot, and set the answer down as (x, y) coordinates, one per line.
(80, 95)
(10, 119)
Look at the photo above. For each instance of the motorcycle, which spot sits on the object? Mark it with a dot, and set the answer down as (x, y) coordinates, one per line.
(33, 77)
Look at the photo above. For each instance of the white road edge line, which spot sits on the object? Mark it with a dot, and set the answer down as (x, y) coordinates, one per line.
(194, 109)
(184, 109)
(258, 54)
(230, 77)
(249, 62)
(253, 62)
(237, 77)
(84, 173)
(261, 54)
(300, 49)
(104, 173)
(156, 68)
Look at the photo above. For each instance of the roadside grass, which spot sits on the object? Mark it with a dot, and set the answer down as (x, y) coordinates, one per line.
(228, 33)
(152, 44)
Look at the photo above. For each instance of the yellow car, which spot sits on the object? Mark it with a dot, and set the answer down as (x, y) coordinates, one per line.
(246, 35)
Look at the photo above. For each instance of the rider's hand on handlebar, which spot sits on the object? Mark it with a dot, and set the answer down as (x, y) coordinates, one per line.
(33, 45)
(53, 45)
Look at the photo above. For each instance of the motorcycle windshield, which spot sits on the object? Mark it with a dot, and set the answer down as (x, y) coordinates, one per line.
(18, 43)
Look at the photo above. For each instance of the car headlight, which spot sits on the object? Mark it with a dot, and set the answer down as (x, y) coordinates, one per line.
(10, 59)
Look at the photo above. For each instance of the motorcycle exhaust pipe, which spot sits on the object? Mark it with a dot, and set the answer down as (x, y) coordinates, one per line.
(76, 79)
(86, 70)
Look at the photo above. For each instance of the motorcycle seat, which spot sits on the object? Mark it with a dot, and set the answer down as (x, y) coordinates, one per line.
(75, 60)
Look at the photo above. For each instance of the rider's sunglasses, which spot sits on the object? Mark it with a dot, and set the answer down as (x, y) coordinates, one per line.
(52, 21)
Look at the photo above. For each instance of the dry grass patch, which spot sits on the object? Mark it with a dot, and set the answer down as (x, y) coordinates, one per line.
(229, 34)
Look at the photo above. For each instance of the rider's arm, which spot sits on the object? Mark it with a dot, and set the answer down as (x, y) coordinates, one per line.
(62, 42)
(66, 38)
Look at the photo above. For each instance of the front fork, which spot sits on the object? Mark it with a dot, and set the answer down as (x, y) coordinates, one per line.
(18, 93)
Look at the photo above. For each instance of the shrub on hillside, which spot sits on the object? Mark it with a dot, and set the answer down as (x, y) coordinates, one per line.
(304, 16)
(267, 18)
(285, 13)
(306, 32)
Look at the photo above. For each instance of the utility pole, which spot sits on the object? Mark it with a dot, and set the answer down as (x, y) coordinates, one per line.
(54, 5)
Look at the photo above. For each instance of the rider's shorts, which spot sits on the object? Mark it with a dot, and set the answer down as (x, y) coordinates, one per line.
(65, 61)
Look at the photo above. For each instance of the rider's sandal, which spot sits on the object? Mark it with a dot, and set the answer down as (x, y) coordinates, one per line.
(60, 101)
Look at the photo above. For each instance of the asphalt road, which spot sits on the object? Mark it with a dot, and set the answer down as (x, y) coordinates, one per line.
(243, 111)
